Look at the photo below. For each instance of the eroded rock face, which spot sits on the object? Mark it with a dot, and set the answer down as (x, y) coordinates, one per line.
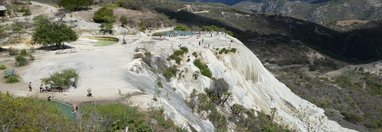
(251, 85)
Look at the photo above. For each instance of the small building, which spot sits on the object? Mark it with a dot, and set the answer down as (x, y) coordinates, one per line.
(3, 11)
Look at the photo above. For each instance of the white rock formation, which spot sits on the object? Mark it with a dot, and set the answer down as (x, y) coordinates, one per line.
(252, 85)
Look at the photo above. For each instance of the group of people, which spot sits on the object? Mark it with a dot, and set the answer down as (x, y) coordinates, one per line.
(41, 87)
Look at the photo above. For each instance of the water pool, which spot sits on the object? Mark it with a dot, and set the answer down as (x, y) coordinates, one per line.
(173, 33)
(97, 41)
(65, 108)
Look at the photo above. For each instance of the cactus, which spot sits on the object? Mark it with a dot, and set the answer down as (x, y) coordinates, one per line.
(10, 72)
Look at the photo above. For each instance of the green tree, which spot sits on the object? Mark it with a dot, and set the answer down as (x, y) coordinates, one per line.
(53, 33)
(75, 5)
(104, 15)
(123, 20)
(63, 79)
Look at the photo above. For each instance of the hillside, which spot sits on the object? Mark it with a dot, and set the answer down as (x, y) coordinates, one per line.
(324, 12)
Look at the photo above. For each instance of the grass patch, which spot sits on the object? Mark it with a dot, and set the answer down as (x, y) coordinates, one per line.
(2, 67)
(12, 79)
(178, 54)
(245, 120)
(227, 51)
(117, 116)
(181, 28)
(31, 114)
(170, 72)
(204, 70)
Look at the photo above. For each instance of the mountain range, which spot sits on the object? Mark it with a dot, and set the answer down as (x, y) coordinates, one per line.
(324, 12)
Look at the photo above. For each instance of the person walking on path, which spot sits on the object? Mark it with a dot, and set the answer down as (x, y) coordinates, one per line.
(30, 86)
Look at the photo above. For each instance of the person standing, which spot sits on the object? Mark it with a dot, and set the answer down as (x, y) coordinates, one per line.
(30, 86)
(41, 88)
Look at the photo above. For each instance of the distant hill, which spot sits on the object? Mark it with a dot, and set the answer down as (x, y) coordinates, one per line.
(232, 2)
(323, 12)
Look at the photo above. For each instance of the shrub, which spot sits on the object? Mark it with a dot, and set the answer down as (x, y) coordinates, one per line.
(40, 20)
(13, 51)
(143, 128)
(223, 50)
(147, 58)
(184, 49)
(123, 20)
(74, 5)
(32, 114)
(237, 109)
(106, 28)
(23, 52)
(12, 79)
(233, 50)
(104, 15)
(218, 119)
(9, 73)
(116, 116)
(63, 79)
(21, 60)
(2, 67)
(177, 55)
(169, 72)
(158, 115)
(159, 83)
(204, 103)
(132, 4)
(203, 68)
(226, 51)
(210, 28)
(195, 54)
(218, 89)
(352, 117)
(181, 28)
(27, 12)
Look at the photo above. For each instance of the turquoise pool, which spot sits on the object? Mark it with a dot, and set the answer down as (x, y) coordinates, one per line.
(65, 108)
(173, 32)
